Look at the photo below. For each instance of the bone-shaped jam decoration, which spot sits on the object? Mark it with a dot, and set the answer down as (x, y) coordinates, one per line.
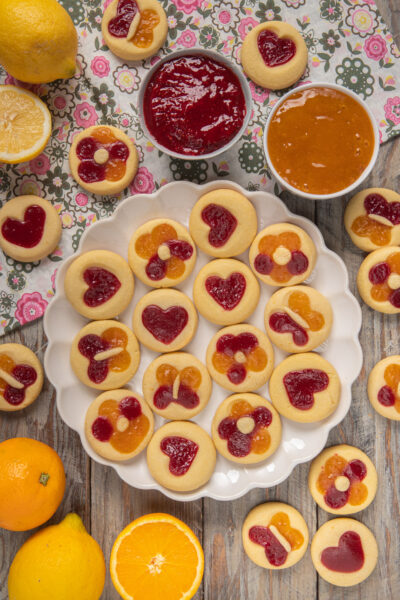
(181, 452)
(380, 218)
(297, 318)
(278, 538)
(340, 482)
(105, 353)
(222, 224)
(15, 379)
(165, 253)
(177, 386)
(347, 557)
(134, 25)
(28, 232)
(122, 424)
(385, 280)
(389, 394)
(226, 292)
(246, 429)
(102, 286)
(235, 355)
(102, 157)
(274, 50)
(301, 386)
(280, 257)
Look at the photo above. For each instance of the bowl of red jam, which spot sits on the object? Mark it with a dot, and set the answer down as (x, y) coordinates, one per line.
(194, 104)
(321, 141)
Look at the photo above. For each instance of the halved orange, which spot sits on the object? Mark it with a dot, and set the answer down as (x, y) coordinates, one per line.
(157, 557)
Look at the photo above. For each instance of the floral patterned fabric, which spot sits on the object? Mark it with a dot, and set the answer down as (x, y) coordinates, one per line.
(348, 43)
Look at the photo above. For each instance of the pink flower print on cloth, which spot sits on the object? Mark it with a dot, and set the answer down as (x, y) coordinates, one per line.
(30, 307)
(375, 47)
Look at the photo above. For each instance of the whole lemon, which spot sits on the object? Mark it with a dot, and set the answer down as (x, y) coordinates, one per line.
(38, 40)
(60, 562)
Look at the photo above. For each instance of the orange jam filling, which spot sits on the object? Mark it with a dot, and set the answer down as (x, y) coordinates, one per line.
(104, 135)
(378, 233)
(115, 169)
(282, 522)
(269, 243)
(128, 440)
(299, 303)
(117, 338)
(381, 292)
(143, 37)
(261, 442)
(241, 408)
(189, 376)
(334, 467)
(7, 364)
(392, 379)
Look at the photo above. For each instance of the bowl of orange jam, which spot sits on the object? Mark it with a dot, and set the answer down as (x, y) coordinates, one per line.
(321, 141)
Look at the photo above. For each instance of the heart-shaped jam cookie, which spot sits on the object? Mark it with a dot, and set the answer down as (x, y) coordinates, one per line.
(227, 292)
(28, 232)
(347, 556)
(302, 385)
(102, 286)
(222, 224)
(274, 50)
(165, 324)
(181, 452)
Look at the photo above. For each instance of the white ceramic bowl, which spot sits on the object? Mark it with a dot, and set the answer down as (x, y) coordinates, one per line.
(284, 184)
(219, 58)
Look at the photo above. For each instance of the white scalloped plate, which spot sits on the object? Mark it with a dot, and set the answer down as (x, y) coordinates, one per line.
(300, 442)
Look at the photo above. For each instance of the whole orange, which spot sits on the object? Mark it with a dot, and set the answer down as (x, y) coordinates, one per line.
(32, 483)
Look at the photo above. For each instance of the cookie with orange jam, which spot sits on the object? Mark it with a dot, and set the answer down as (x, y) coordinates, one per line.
(378, 280)
(342, 480)
(134, 29)
(21, 377)
(282, 254)
(246, 428)
(103, 160)
(162, 253)
(105, 355)
(275, 535)
(298, 318)
(372, 218)
(177, 385)
(118, 425)
(240, 358)
(384, 387)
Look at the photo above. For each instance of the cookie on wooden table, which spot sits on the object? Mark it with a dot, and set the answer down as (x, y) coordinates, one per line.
(384, 387)
(21, 377)
(378, 280)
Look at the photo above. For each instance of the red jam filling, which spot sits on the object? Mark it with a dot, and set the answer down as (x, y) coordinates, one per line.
(227, 292)
(386, 396)
(26, 375)
(274, 551)
(274, 50)
(282, 323)
(157, 268)
(130, 408)
(89, 346)
(375, 204)
(297, 265)
(112, 170)
(181, 452)
(379, 273)
(165, 325)
(230, 344)
(120, 24)
(102, 286)
(347, 557)
(186, 397)
(355, 471)
(26, 233)
(102, 429)
(194, 105)
(301, 386)
(222, 224)
(240, 444)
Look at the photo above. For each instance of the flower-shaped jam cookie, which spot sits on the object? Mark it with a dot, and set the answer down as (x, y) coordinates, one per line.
(162, 253)
(384, 387)
(378, 280)
(105, 354)
(246, 428)
(134, 29)
(118, 425)
(275, 535)
(282, 254)
(342, 480)
(372, 218)
(21, 377)
(177, 385)
(103, 160)
(240, 358)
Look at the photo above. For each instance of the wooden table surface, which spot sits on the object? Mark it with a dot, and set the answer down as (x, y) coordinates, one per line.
(107, 505)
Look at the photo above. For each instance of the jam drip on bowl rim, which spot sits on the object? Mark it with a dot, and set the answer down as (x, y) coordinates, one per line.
(28, 232)
(19, 376)
(222, 224)
(274, 50)
(245, 429)
(102, 286)
(236, 355)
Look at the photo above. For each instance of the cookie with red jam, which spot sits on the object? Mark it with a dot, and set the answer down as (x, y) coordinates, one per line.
(378, 280)
(21, 377)
(384, 387)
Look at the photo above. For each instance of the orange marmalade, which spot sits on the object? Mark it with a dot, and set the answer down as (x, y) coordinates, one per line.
(320, 140)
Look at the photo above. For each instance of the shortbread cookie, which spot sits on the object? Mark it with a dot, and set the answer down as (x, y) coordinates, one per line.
(372, 218)
(103, 160)
(305, 388)
(165, 320)
(118, 425)
(21, 377)
(99, 284)
(225, 291)
(274, 55)
(134, 29)
(298, 318)
(275, 535)
(105, 355)
(378, 280)
(282, 254)
(344, 552)
(384, 387)
(30, 228)
(177, 386)
(240, 358)
(223, 223)
(246, 428)
(162, 253)
(181, 456)
(342, 480)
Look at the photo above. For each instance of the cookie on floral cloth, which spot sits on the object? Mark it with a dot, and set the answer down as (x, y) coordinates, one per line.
(378, 280)
(30, 228)
(103, 160)
(384, 387)
(21, 377)
(134, 29)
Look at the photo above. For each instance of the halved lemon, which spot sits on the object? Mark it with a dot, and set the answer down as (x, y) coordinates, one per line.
(25, 124)
(157, 556)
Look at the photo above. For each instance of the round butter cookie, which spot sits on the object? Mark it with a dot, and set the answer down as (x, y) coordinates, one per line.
(384, 387)
(378, 280)
(21, 377)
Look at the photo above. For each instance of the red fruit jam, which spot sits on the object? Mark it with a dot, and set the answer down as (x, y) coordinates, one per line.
(156, 268)
(355, 471)
(301, 386)
(92, 172)
(130, 408)
(298, 264)
(282, 323)
(102, 286)
(375, 204)
(186, 397)
(386, 396)
(347, 557)
(102, 429)
(238, 443)
(222, 224)
(181, 452)
(227, 292)
(263, 264)
(89, 346)
(274, 551)
(26, 375)
(230, 344)
(26, 233)
(274, 50)
(165, 325)
(120, 24)
(379, 273)
(194, 105)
